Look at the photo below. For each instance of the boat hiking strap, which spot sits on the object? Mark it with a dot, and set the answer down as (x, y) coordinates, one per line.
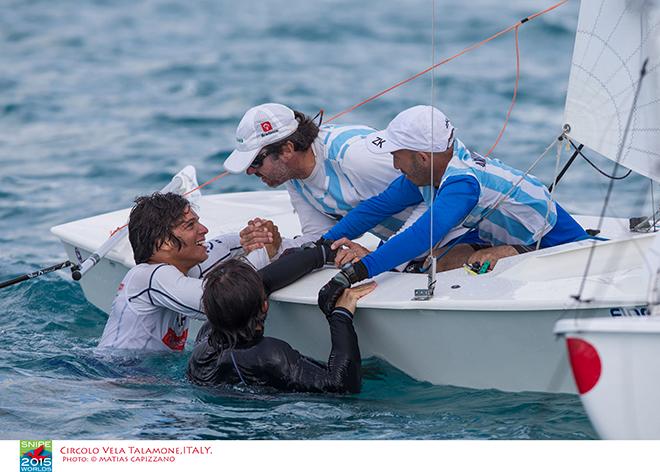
(513, 27)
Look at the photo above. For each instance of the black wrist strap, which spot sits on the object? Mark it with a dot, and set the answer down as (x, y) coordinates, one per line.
(355, 271)
(340, 310)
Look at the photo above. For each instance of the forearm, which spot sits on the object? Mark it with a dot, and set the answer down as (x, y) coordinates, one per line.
(293, 243)
(399, 249)
(344, 362)
(290, 267)
(343, 372)
(454, 201)
(398, 196)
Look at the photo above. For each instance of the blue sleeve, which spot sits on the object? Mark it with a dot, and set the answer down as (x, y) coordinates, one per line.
(456, 198)
(566, 230)
(400, 194)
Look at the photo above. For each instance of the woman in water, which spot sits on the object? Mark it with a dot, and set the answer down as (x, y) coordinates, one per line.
(232, 349)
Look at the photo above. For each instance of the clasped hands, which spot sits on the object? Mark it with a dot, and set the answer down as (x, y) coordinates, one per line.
(261, 233)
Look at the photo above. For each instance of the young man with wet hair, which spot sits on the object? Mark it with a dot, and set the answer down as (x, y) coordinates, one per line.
(231, 347)
(158, 296)
(328, 170)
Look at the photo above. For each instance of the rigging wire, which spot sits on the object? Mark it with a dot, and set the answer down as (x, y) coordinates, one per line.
(552, 192)
(653, 210)
(642, 74)
(489, 210)
(445, 61)
(515, 27)
(433, 267)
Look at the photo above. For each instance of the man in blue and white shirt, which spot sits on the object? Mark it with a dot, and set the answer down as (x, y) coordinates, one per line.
(501, 206)
(327, 171)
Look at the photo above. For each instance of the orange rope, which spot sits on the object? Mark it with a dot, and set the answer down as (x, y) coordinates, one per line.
(428, 69)
(419, 74)
(118, 228)
(219, 176)
(513, 100)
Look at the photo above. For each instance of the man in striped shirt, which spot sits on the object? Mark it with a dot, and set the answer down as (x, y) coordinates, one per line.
(501, 206)
(327, 170)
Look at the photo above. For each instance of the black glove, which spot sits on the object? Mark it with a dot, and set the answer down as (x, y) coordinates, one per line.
(329, 254)
(355, 271)
(322, 250)
(330, 292)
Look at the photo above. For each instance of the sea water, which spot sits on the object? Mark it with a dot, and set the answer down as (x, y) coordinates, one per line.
(104, 100)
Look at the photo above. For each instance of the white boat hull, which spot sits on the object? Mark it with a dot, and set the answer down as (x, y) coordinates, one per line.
(505, 350)
(487, 331)
(615, 364)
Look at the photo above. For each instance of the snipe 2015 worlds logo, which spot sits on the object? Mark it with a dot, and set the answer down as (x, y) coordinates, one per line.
(37, 455)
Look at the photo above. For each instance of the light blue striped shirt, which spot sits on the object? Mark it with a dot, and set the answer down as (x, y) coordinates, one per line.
(526, 212)
(346, 173)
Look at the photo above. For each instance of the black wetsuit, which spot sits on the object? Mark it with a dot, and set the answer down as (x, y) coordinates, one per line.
(274, 363)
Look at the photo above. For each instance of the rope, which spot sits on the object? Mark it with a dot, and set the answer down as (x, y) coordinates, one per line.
(210, 181)
(513, 27)
(489, 210)
(513, 100)
(601, 172)
(552, 192)
(219, 176)
(445, 61)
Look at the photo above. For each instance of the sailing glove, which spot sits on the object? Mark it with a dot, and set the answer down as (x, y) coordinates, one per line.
(349, 274)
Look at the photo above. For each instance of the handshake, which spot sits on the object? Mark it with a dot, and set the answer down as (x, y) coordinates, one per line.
(350, 273)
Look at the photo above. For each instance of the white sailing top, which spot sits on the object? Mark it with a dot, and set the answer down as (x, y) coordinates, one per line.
(154, 302)
(346, 173)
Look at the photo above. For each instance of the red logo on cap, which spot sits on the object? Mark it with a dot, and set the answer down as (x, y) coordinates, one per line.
(266, 126)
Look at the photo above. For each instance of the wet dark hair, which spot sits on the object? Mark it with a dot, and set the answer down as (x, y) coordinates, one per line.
(302, 138)
(233, 299)
(151, 222)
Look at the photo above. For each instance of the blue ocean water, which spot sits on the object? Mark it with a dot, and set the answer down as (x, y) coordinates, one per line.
(104, 100)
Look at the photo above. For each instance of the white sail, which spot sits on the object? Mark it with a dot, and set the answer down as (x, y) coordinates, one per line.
(613, 40)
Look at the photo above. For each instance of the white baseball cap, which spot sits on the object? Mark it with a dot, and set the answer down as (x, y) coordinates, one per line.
(411, 129)
(260, 126)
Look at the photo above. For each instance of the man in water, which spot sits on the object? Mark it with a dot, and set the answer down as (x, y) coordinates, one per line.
(327, 170)
(507, 212)
(157, 297)
(231, 347)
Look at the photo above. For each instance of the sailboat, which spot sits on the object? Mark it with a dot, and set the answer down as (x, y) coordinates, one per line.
(488, 331)
(614, 360)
